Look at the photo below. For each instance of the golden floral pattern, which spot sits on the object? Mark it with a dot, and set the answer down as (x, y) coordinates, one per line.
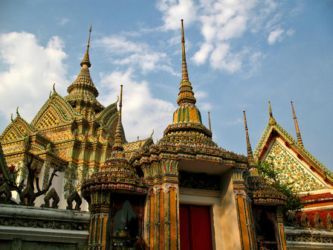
(291, 171)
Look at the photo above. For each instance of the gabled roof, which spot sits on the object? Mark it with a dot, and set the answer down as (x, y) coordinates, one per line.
(54, 112)
(4, 171)
(139, 144)
(108, 116)
(273, 130)
(17, 129)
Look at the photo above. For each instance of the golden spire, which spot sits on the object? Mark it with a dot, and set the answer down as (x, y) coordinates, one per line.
(271, 117)
(248, 143)
(118, 139)
(185, 94)
(298, 132)
(86, 60)
(209, 122)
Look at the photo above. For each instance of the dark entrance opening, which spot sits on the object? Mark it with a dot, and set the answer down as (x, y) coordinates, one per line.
(195, 228)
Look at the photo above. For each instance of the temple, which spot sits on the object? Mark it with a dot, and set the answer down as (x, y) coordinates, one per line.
(70, 180)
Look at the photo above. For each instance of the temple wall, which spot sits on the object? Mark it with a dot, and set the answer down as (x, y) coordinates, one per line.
(25, 228)
(227, 217)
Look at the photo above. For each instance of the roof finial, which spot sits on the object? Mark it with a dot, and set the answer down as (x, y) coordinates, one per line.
(118, 139)
(270, 109)
(298, 131)
(271, 117)
(184, 64)
(86, 60)
(185, 94)
(209, 122)
(17, 112)
(248, 143)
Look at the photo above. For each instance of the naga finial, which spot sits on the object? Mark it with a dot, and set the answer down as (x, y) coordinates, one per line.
(152, 133)
(53, 88)
(17, 112)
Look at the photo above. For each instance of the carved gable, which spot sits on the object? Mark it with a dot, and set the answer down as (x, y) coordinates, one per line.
(291, 170)
(109, 116)
(17, 130)
(56, 111)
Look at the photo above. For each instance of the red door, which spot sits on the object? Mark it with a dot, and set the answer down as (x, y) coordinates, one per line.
(195, 228)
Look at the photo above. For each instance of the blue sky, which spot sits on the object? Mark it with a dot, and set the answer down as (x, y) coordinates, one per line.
(240, 55)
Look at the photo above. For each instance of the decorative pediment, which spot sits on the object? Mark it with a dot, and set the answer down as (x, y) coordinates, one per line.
(17, 130)
(55, 112)
(295, 165)
(109, 116)
(293, 171)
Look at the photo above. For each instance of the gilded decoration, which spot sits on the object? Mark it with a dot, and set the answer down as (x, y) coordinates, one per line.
(291, 171)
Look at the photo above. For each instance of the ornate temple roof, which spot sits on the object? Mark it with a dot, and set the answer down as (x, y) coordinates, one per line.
(18, 129)
(56, 111)
(274, 129)
(117, 174)
(83, 88)
(4, 171)
(261, 192)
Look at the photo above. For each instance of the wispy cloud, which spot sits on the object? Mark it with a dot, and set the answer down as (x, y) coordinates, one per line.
(63, 21)
(135, 54)
(278, 34)
(31, 69)
(221, 24)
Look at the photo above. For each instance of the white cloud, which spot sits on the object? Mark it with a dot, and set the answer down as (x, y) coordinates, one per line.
(30, 71)
(278, 34)
(63, 21)
(175, 10)
(135, 54)
(142, 112)
(275, 36)
(222, 22)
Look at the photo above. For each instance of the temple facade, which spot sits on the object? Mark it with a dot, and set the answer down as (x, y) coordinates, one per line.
(94, 190)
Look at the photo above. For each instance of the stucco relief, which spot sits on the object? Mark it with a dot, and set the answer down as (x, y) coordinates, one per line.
(291, 171)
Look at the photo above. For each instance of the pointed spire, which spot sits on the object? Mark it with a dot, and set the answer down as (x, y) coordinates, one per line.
(271, 117)
(83, 88)
(185, 94)
(118, 140)
(248, 143)
(298, 131)
(184, 64)
(86, 60)
(209, 122)
(270, 109)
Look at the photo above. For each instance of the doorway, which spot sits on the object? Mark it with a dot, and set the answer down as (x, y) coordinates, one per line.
(195, 227)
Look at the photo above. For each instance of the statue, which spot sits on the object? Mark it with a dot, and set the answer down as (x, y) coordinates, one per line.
(26, 191)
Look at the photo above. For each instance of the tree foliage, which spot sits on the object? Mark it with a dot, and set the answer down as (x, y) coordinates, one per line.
(267, 170)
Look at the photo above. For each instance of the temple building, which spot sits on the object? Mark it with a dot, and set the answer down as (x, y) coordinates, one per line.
(70, 180)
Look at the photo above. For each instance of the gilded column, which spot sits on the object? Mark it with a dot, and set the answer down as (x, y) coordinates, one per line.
(281, 233)
(162, 218)
(244, 212)
(100, 207)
